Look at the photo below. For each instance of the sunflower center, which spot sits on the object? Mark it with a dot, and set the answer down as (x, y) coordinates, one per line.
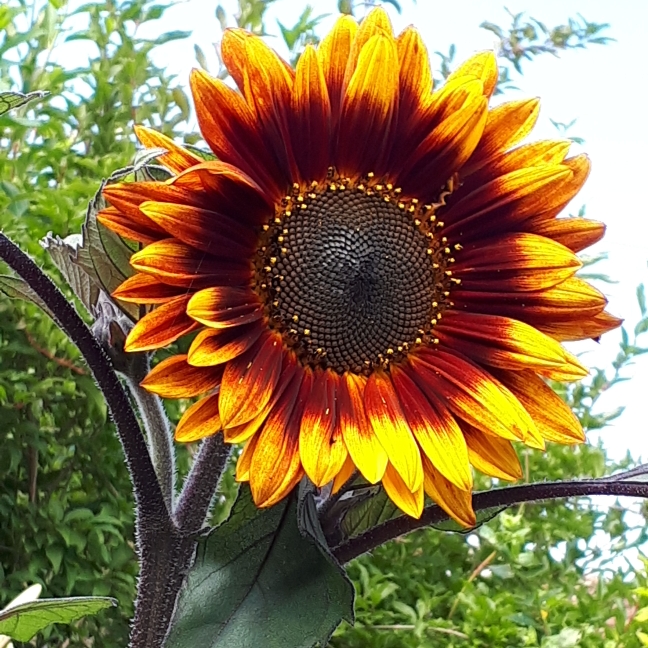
(349, 277)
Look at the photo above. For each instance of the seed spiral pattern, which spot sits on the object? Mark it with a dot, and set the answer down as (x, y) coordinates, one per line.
(350, 279)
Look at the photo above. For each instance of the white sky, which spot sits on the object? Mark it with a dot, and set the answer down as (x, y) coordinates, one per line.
(602, 87)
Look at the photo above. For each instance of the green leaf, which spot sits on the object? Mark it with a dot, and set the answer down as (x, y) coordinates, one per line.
(98, 259)
(64, 254)
(11, 100)
(364, 509)
(17, 288)
(257, 581)
(24, 621)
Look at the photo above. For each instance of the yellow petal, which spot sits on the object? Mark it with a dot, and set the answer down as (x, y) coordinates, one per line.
(411, 503)
(361, 442)
(457, 503)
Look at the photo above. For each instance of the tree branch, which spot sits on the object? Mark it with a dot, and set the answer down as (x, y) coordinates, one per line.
(504, 497)
(148, 496)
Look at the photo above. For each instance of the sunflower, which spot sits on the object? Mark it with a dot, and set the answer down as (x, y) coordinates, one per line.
(375, 270)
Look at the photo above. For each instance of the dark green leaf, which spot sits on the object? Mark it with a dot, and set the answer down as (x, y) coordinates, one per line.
(24, 621)
(366, 509)
(257, 581)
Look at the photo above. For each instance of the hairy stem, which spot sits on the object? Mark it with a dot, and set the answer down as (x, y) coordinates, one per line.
(158, 431)
(503, 497)
(148, 496)
(165, 554)
(162, 571)
(201, 484)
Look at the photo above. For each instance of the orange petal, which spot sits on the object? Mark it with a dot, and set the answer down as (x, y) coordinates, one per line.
(592, 327)
(506, 125)
(276, 467)
(123, 225)
(174, 378)
(506, 343)
(574, 233)
(145, 289)
(411, 503)
(333, 54)
(435, 429)
(368, 107)
(229, 127)
(242, 432)
(552, 416)
(199, 421)
(179, 264)
(160, 327)
(311, 122)
(473, 395)
(346, 472)
(321, 446)
(492, 455)
(177, 159)
(245, 460)
(390, 426)
(215, 346)
(457, 503)
(223, 307)
(580, 166)
(483, 66)
(249, 380)
(512, 262)
(361, 442)
(202, 229)
(266, 83)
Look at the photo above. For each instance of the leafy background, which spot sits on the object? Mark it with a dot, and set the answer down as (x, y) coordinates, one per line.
(533, 576)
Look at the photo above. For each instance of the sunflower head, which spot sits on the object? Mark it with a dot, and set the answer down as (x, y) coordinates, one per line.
(375, 270)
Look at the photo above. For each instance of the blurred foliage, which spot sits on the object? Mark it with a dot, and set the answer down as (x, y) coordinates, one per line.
(554, 576)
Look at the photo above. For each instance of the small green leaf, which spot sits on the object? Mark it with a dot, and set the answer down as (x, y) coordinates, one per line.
(24, 621)
(17, 288)
(11, 100)
(365, 508)
(257, 581)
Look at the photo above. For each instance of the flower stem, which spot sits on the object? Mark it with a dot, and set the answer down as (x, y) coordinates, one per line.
(201, 484)
(158, 432)
(148, 495)
(165, 553)
(500, 497)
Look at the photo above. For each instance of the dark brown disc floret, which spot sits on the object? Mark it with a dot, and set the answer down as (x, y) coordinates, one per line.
(350, 277)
